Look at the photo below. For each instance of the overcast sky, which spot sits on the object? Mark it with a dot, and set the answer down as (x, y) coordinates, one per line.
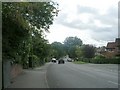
(93, 21)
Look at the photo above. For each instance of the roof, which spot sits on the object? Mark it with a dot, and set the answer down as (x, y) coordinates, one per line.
(111, 45)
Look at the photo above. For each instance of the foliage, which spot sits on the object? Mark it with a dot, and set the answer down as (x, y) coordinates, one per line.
(36, 14)
(99, 57)
(79, 62)
(72, 41)
(71, 52)
(88, 51)
(58, 50)
(101, 60)
(78, 52)
(70, 44)
(36, 60)
(106, 61)
(23, 26)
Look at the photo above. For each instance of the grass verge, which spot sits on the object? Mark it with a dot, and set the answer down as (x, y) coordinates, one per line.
(79, 62)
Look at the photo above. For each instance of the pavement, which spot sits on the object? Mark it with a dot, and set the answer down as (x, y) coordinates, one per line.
(69, 75)
(31, 78)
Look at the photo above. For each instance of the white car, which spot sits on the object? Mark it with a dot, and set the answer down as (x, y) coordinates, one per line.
(54, 60)
(70, 60)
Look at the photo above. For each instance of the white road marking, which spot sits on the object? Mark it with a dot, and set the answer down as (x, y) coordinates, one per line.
(113, 82)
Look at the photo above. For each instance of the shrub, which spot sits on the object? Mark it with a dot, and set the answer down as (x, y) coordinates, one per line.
(99, 57)
(35, 60)
(106, 60)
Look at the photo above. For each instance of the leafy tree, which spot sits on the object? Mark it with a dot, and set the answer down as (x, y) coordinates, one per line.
(58, 49)
(78, 52)
(88, 51)
(71, 52)
(23, 26)
(72, 41)
(70, 44)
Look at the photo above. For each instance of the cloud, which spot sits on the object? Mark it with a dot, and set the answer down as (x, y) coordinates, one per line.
(101, 26)
(110, 18)
(92, 21)
(85, 9)
(109, 35)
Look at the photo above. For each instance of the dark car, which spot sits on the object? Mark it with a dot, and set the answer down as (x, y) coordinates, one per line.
(61, 61)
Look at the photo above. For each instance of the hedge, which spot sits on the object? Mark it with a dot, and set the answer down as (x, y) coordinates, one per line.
(101, 60)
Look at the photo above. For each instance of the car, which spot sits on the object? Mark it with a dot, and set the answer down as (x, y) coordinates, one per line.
(61, 61)
(54, 60)
(70, 60)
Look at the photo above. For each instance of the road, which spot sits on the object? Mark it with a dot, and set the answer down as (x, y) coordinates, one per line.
(71, 75)
(68, 75)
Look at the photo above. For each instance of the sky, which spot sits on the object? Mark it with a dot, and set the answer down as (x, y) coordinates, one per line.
(93, 21)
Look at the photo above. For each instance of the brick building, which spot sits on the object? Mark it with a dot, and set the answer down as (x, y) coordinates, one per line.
(113, 48)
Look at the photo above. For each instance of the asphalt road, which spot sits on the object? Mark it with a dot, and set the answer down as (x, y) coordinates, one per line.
(71, 75)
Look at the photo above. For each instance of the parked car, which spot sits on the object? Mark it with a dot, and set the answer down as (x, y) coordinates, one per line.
(61, 61)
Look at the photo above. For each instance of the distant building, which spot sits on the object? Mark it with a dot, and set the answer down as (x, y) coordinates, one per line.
(100, 50)
(117, 49)
(113, 48)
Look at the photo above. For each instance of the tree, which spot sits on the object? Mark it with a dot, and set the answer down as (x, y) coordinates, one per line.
(23, 24)
(71, 52)
(58, 49)
(88, 51)
(78, 52)
(70, 44)
(72, 41)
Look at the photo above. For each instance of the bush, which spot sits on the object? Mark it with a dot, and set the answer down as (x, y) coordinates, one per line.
(35, 60)
(106, 60)
(101, 60)
(99, 57)
(84, 60)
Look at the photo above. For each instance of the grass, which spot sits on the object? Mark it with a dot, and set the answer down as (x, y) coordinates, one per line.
(79, 62)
